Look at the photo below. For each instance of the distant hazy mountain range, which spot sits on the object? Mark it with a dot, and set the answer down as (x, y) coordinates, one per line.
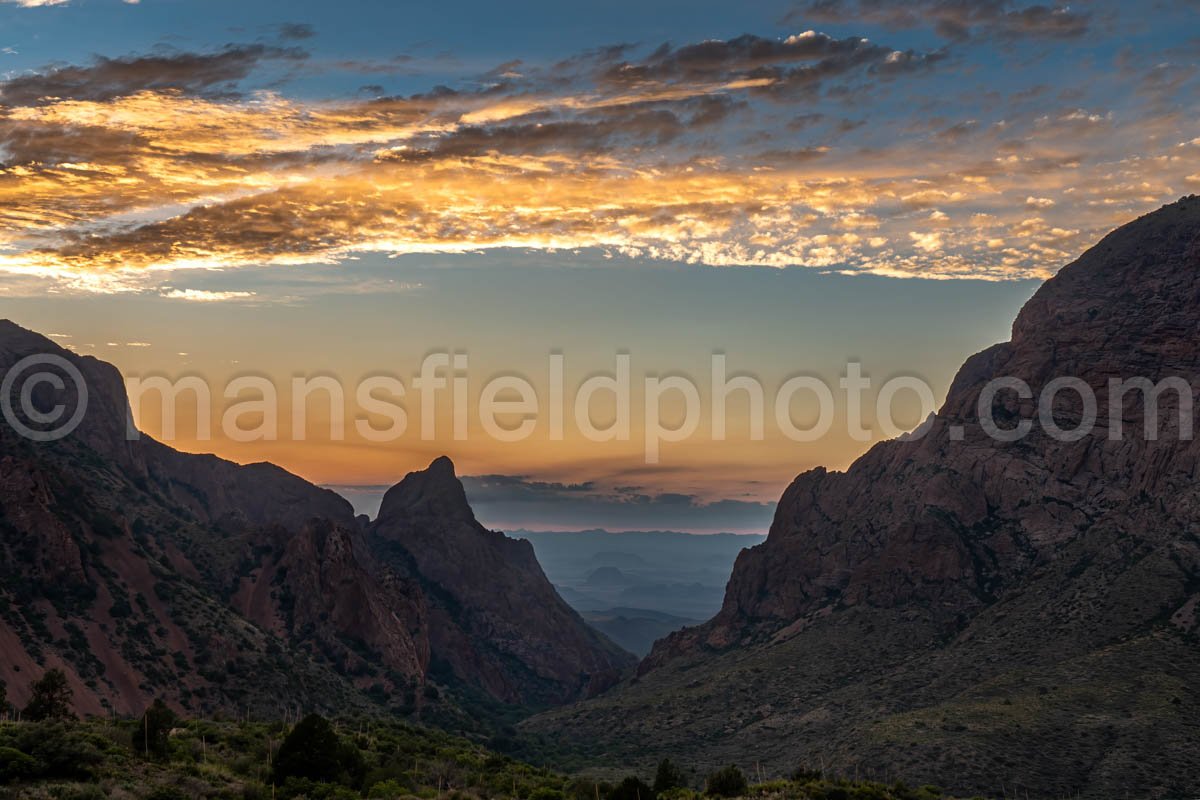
(639, 586)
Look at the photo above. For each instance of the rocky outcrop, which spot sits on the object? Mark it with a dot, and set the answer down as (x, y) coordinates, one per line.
(971, 611)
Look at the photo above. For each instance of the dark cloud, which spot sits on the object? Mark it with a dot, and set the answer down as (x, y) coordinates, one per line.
(713, 109)
(516, 502)
(804, 121)
(953, 19)
(776, 67)
(108, 78)
(599, 133)
(788, 158)
(296, 31)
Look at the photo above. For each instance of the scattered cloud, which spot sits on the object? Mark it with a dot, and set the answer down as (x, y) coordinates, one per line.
(296, 31)
(954, 19)
(205, 296)
(111, 78)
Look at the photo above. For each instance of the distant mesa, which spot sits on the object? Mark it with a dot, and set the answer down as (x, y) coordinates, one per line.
(609, 577)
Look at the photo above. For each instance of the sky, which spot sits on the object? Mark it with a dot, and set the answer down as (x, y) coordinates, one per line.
(253, 190)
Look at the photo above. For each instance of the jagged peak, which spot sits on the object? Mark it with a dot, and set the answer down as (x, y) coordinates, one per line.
(435, 489)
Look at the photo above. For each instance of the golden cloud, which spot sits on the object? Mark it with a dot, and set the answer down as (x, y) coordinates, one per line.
(102, 189)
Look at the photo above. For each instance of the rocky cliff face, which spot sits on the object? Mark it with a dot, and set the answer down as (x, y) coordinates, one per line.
(495, 618)
(974, 611)
(952, 522)
(142, 571)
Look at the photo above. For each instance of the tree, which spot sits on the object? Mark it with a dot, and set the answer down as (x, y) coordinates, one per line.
(803, 774)
(631, 788)
(726, 782)
(668, 777)
(313, 751)
(153, 736)
(3, 698)
(52, 698)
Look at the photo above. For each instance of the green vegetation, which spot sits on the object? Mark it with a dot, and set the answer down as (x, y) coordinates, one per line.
(726, 782)
(155, 729)
(314, 753)
(160, 757)
(668, 777)
(51, 698)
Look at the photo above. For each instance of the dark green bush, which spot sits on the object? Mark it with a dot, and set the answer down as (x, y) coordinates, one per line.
(726, 782)
(314, 752)
(632, 788)
(15, 765)
(803, 774)
(62, 751)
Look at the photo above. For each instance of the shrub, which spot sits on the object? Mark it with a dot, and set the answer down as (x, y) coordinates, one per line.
(313, 751)
(679, 794)
(87, 791)
(167, 793)
(15, 765)
(803, 774)
(583, 789)
(387, 790)
(726, 782)
(668, 777)
(632, 788)
(61, 751)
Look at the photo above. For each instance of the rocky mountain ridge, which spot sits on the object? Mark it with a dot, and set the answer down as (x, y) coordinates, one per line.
(142, 571)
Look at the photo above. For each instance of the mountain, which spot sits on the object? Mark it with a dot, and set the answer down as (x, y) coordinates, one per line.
(145, 572)
(495, 621)
(1012, 616)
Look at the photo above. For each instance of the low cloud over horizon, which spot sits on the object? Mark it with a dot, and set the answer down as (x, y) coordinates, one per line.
(512, 502)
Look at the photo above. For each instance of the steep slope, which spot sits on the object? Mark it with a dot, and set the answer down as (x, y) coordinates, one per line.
(955, 607)
(496, 622)
(142, 571)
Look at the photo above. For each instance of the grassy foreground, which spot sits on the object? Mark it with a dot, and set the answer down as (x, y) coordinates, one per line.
(162, 758)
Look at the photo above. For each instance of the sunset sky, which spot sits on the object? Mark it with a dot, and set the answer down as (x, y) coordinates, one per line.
(340, 189)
